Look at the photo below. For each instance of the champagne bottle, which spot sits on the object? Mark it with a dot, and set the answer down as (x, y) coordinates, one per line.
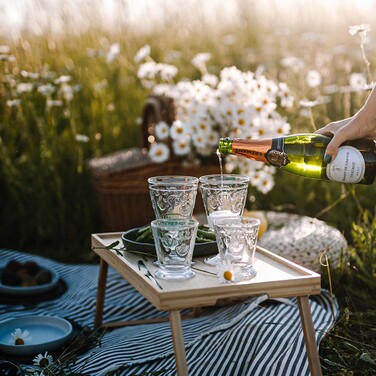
(303, 154)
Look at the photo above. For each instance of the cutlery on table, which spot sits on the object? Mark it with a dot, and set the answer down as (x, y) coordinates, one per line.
(146, 272)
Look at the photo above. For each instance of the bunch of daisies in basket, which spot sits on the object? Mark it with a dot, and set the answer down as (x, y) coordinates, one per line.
(234, 104)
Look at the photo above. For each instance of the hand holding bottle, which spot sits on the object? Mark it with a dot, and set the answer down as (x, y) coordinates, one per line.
(303, 154)
(361, 125)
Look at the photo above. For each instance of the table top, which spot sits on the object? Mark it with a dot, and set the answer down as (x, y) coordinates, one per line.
(276, 277)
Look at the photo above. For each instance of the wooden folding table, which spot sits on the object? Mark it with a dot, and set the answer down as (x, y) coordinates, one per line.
(276, 277)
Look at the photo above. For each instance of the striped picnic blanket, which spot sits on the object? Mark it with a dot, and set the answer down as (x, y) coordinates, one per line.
(259, 336)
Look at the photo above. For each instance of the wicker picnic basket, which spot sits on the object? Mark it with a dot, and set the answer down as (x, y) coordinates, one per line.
(120, 178)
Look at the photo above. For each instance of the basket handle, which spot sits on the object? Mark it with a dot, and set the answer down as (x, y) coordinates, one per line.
(157, 108)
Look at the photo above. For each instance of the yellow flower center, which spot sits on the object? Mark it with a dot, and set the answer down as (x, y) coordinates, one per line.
(227, 275)
(44, 362)
(19, 341)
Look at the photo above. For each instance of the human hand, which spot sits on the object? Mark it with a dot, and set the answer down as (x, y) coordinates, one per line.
(361, 125)
(340, 131)
(345, 130)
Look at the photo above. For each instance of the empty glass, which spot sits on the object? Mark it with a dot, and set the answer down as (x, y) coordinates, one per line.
(173, 196)
(224, 196)
(174, 242)
(237, 239)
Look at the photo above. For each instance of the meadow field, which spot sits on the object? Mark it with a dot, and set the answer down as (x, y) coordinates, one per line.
(71, 90)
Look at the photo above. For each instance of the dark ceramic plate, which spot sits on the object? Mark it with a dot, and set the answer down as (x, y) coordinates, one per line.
(201, 249)
(30, 290)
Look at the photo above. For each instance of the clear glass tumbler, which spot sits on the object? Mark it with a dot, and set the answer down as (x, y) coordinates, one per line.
(237, 240)
(224, 196)
(173, 196)
(174, 242)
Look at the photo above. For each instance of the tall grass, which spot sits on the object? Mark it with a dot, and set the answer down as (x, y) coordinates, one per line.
(47, 204)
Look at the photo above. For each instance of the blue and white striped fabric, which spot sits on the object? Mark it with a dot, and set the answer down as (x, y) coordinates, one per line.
(253, 338)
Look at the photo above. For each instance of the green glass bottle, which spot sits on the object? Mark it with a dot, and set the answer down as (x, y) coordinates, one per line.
(303, 154)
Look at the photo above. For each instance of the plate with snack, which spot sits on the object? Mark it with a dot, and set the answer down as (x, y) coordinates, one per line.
(141, 239)
(26, 278)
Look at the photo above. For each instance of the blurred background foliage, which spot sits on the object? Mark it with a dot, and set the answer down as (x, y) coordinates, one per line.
(47, 135)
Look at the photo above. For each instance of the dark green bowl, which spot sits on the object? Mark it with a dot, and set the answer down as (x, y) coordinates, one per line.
(128, 238)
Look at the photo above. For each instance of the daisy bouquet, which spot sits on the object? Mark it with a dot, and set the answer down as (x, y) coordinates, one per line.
(232, 104)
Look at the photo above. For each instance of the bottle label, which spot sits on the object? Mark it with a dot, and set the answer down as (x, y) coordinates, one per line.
(347, 167)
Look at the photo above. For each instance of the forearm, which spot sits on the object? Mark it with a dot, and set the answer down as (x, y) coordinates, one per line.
(365, 119)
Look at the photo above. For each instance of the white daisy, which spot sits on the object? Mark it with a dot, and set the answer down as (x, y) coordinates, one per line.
(313, 78)
(361, 29)
(167, 71)
(142, 53)
(20, 338)
(46, 89)
(24, 87)
(200, 60)
(293, 62)
(162, 130)
(266, 183)
(43, 360)
(82, 138)
(199, 140)
(357, 81)
(287, 100)
(62, 79)
(148, 70)
(181, 146)
(113, 52)
(210, 79)
(177, 129)
(54, 103)
(225, 272)
(213, 138)
(13, 102)
(4, 49)
(159, 152)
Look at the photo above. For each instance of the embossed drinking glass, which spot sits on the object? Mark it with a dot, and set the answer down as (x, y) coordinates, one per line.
(173, 196)
(237, 240)
(224, 196)
(174, 242)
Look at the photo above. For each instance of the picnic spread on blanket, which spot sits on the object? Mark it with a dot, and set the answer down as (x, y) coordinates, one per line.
(115, 318)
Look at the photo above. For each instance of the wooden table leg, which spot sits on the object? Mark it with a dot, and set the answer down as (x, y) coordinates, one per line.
(101, 291)
(309, 336)
(178, 340)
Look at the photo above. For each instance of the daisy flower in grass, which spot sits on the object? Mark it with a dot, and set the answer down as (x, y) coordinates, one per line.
(200, 60)
(231, 104)
(178, 129)
(181, 146)
(162, 130)
(225, 272)
(313, 78)
(159, 152)
(142, 54)
(357, 81)
(43, 360)
(361, 29)
(287, 100)
(19, 337)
